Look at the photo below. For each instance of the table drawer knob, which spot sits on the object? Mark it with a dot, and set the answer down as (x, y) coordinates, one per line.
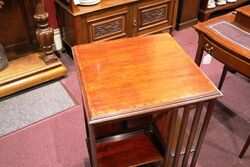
(208, 48)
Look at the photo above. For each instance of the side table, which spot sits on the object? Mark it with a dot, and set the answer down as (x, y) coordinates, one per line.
(148, 76)
(232, 54)
(227, 38)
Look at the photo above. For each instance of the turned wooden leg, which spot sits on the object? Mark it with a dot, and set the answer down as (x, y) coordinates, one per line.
(244, 149)
(223, 76)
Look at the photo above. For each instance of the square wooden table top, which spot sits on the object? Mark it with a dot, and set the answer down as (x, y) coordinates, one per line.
(133, 76)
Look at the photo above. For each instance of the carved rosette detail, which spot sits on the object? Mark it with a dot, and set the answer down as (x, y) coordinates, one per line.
(154, 15)
(44, 34)
(1, 4)
(107, 28)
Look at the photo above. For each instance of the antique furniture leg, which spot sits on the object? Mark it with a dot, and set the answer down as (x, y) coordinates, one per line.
(172, 156)
(200, 50)
(92, 142)
(172, 123)
(244, 149)
(193, 130)
(181, 135)
(223, 76)
(203, 132)
(44, 34)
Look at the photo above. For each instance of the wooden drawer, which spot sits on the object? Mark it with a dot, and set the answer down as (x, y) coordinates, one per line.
(152, 16)
(108, 24)
(227, 58)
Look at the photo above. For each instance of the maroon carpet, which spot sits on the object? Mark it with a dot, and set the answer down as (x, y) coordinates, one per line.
(59, 141)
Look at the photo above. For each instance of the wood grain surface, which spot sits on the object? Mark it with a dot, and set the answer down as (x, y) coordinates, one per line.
(132, 75)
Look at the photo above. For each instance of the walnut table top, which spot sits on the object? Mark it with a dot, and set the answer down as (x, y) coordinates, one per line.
(133, 76)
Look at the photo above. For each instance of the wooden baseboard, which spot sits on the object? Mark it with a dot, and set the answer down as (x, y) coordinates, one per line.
(180, 26)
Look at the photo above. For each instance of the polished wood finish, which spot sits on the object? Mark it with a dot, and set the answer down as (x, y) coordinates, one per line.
(107, 99)
(138, 77)
(206, 13)
(123, 152)
(187, 13)
(27, 71)
(230, 54)
(112, 19)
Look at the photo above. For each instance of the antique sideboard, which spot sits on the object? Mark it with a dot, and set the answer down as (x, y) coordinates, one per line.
(111, 19)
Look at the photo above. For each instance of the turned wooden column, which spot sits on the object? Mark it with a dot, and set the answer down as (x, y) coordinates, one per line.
(44, 34)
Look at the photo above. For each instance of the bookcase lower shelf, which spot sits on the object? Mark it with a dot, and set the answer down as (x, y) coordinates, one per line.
(135, 150)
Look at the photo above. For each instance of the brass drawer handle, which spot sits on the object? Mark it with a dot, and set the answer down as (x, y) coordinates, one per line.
(208, 49)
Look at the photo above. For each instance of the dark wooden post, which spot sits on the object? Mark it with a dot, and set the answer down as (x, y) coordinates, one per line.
(44, 34)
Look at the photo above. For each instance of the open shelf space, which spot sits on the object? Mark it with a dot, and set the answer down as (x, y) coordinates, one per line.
(132, 151)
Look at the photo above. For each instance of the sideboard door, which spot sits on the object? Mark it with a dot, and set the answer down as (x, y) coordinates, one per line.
(17, 26)
(108, 24)
(152, 16)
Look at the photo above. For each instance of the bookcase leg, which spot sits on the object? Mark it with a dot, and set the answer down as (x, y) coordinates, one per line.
(203, 132)
(181, 135)
(193, 130)
(92, 146)
(172, 123)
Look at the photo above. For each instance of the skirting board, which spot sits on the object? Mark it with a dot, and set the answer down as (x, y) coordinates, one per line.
(180, 26)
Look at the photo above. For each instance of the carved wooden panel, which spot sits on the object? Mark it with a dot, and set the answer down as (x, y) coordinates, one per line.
(111, 26)
(153, 15)
(108, 27)
(156, 14)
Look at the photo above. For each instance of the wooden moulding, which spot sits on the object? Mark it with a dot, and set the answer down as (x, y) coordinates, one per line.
(28, 71)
